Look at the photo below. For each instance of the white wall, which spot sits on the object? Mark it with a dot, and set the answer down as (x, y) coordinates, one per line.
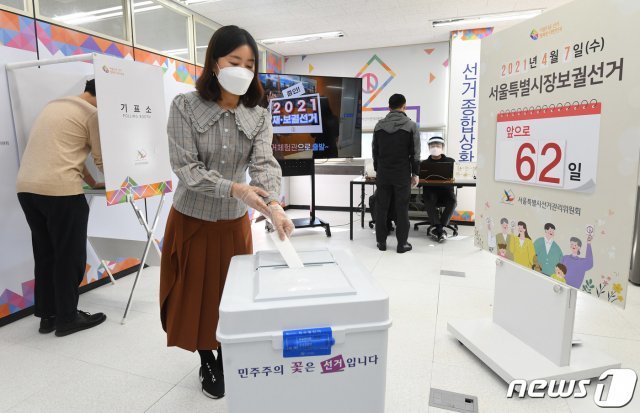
(331, 190)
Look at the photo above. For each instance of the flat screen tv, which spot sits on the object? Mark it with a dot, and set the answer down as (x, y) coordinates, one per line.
(314, 117)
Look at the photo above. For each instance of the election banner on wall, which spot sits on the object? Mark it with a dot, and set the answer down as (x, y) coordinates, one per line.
(464, 80)
(558, 162)
(384, 71)
(132, 115)
(16, 265)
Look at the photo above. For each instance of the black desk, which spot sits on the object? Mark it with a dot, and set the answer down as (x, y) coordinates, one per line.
(362, 181)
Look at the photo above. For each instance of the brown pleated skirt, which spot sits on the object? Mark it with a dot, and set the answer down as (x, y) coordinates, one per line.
(195, 259)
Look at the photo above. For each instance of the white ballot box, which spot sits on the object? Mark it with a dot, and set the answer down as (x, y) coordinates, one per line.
(310, 339)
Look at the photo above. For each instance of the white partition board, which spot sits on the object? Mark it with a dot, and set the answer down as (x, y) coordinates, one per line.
(511, 359)
(535, 309)
(32, 87)
(531, 331)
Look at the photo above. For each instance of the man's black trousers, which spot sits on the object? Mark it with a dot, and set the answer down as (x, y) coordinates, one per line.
(59, 238)
(433, 199)
(400, 195)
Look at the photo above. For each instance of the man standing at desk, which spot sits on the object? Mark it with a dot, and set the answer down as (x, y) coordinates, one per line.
(433, 197)
(50, 191)
(396, 157)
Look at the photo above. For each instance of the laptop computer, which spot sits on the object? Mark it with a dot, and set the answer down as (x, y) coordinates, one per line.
(436, 171)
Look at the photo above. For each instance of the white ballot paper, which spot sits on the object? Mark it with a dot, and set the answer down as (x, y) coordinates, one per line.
(287, 251)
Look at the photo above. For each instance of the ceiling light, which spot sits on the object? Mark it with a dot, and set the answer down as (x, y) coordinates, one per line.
(88, 13)
(303, 38)
(486, 18)
(89, 19)
(190, 2)
(102, 14)
(141, 9)
(178, 52)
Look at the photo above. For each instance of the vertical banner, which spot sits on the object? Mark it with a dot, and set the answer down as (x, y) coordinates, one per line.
(558, 165)
(132, 116)
(464, 82)
(462, 129)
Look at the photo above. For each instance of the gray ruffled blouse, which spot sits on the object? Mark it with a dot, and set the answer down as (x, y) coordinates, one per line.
(211, 147)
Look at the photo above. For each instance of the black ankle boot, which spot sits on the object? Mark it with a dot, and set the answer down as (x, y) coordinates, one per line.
(212, 380)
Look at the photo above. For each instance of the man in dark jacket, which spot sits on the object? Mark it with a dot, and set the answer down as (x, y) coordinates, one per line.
(436, 196)
(396, 159)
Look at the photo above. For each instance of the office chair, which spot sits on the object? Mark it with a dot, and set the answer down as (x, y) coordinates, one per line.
(372, 225)
(453, 227)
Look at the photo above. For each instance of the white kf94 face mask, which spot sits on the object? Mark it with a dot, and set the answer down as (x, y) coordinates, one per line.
(435, 151)
(235, 80)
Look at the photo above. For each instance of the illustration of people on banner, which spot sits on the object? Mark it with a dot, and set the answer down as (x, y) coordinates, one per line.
(544, 255)
(548, 251)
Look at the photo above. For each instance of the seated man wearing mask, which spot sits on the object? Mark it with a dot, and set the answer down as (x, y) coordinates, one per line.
(433, 197)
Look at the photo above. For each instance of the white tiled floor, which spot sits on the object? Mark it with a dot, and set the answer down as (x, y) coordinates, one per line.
(116, 368)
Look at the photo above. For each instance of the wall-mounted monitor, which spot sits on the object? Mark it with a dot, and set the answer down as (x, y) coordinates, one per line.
(314, 117)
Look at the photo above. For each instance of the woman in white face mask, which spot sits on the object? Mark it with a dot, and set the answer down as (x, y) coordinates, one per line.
(216, 134)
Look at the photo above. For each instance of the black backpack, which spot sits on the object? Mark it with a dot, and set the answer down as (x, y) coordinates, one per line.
(391, 215)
